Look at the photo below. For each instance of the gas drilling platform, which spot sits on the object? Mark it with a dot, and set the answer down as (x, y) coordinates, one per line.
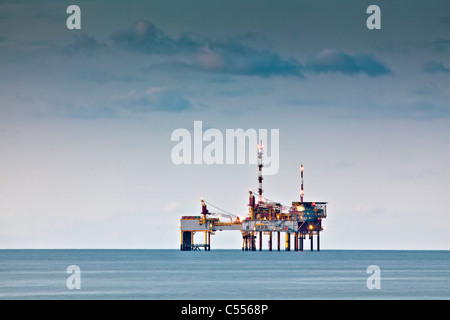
(301, 220)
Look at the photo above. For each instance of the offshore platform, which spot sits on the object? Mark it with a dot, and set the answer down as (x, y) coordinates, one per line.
(300, 220)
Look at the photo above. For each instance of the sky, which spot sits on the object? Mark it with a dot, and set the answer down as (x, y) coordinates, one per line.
(87, 115)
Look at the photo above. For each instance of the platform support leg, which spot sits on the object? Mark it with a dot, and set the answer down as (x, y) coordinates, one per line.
(278, 240)
(260, 240)
(253, 242)
(296, 241)
(318, 241)
(186, 241)
(270, 241)
(209, 241)
(288, 241)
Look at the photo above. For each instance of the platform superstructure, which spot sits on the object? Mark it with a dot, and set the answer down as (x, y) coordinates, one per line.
(299, 221)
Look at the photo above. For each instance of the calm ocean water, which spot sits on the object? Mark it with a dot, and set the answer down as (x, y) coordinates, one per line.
(224, 274)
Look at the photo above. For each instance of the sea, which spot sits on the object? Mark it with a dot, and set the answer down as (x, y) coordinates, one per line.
(111, 274)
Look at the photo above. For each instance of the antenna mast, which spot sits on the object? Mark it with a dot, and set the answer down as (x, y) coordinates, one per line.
(301, 180)
(260, 165)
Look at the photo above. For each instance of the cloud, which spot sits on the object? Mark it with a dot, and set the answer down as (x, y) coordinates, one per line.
(103, 76)
(337, 61)
(146, 37)
(441, 45)
(445, 21)
(83, 112)
(425, 110)
(153, 99)
(54, 107)
(225, 57)
(435, 67)
(83, 43)
(172, 207)
(236, 58)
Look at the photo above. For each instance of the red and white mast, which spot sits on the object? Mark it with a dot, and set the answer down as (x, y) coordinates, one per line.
(260, 165)
(301, 180)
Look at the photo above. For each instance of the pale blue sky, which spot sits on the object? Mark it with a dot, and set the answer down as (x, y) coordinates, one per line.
(86, 118)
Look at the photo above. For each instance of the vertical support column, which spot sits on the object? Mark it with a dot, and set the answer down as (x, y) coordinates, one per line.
(270, 241)
(301, 240)
(186, 240)
(209, 241)
(205, 222)
(181, 244)
(288, 241)
(311, 238)
(253, 241)
(296, 241)
(260, 241)
(278, 240)
(318, 241)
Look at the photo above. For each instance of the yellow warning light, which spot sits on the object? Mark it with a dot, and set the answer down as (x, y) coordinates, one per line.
(310, 227)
